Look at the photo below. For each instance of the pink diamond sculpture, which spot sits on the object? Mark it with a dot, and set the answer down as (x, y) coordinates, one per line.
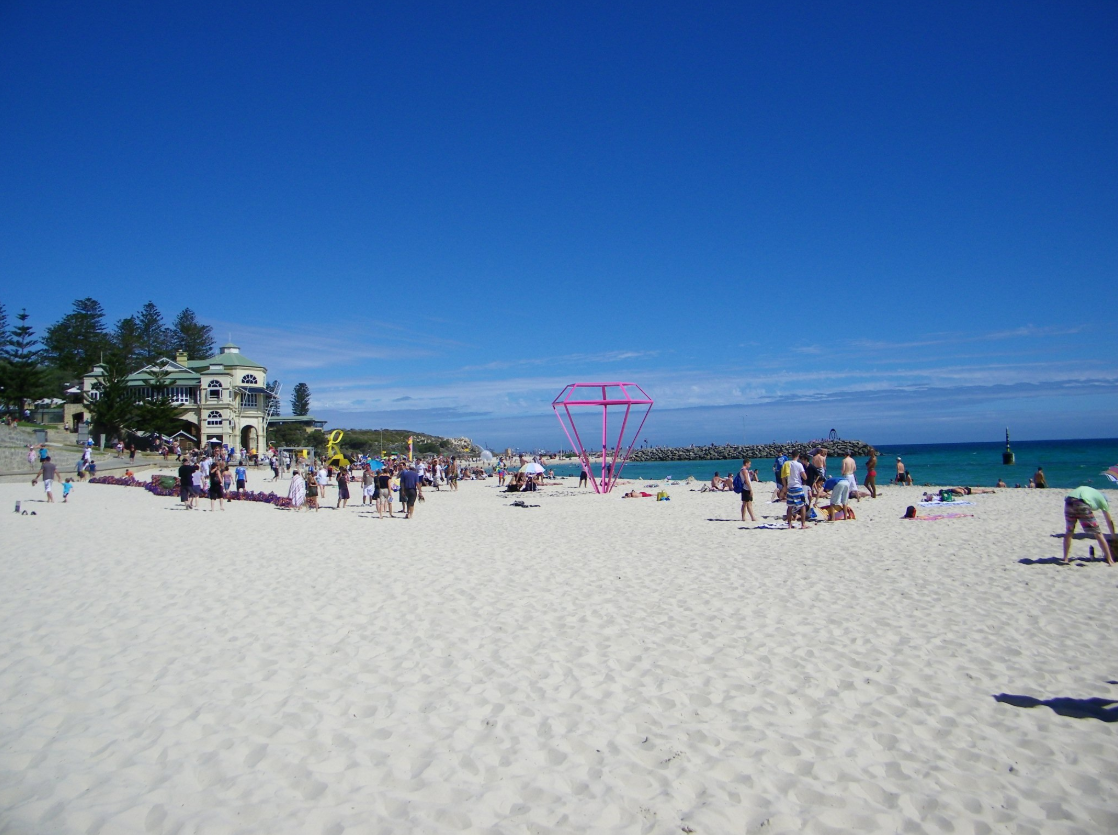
(588, 399)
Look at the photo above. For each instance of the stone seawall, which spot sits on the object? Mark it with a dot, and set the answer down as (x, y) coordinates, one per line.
(755, 451)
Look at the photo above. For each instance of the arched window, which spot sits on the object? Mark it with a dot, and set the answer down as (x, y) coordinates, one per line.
(249, 380)
(213, 419)
(214, 389)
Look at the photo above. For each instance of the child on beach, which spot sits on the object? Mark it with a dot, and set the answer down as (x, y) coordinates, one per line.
(67, 486)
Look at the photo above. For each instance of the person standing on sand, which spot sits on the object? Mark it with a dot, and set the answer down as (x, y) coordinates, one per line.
(849, 468)
(297, 491)
(796, 497)
(745, 474)
(871, 475)
(452, 476)
(343, 489)
(900, 471)
(780, 476)
(383, 493)
(311, 481)
(1038, 478)
(409, 489)
(242, 478)
(368, 486)
(216, 493)
(186, 484)
(1079, 507)
(48, 471)
(819, 463)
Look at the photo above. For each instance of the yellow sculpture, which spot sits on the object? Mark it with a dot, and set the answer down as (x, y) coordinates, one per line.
(334, 451)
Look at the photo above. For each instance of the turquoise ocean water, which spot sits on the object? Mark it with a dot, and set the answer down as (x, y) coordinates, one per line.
(1066, 464)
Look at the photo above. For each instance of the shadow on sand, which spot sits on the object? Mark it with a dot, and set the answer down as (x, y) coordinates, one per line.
(1105, 710)
(1077, 561)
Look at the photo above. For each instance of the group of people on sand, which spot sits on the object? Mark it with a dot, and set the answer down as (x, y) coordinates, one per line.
(802, 486)
(815, 477)
(377, 486)
(206, 473)
(311, 481)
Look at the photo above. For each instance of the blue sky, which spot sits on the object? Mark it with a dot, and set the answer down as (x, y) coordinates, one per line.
(897, 220)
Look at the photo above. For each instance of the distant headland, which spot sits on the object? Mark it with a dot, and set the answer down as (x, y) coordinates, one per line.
(724, 452)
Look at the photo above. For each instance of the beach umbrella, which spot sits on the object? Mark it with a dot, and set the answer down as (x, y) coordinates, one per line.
(375, 464)
(1112, 473)
(531, 468)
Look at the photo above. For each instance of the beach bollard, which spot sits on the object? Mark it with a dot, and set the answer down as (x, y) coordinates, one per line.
(17, 507)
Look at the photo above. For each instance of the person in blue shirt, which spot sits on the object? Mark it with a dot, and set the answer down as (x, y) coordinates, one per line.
(778, 469)
(409, 489)
(241, 474)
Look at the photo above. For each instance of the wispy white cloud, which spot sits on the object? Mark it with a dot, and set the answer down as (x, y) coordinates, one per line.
(570, 359)
(299, 347)
(932, 340)
(674, 388)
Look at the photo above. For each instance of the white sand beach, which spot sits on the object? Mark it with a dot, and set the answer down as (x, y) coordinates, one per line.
(590, 665)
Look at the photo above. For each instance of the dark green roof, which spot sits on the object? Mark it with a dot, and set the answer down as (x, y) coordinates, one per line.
(232, 358)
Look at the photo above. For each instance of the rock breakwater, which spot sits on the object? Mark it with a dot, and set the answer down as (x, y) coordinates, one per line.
(722, 452)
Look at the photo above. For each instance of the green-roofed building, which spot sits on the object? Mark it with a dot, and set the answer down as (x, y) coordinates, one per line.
(223, 398)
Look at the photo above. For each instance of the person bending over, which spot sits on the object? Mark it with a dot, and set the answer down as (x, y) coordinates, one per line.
(1079, 508)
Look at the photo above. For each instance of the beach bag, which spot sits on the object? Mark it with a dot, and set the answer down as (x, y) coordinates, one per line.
(738, 485)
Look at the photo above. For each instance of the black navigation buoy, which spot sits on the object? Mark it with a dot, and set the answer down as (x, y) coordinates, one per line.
(1007, 456)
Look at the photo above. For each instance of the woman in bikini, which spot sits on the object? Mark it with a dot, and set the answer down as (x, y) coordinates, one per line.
(871, 476)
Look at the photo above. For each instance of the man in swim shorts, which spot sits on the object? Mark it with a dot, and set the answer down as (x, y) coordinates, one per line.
(1079, 508)
(796, 496)
(49, 472)
(745, 475)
